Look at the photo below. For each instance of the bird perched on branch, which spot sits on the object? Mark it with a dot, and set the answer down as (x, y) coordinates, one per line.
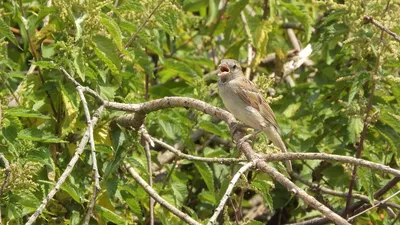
(242, 98)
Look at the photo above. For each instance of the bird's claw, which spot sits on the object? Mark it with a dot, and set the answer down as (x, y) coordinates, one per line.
(237, 126)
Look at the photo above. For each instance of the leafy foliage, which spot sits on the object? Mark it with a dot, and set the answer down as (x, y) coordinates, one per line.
(176, 53)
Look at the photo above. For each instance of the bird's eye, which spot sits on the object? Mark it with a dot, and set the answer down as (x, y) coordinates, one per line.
(234, 67)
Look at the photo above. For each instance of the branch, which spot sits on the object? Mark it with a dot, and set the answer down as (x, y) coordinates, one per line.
(36, 59)
(7, 173)
(196, 158)
(67, 171)
(147, 143)
(374, 206)
(369, 19)
(228, 192)
(318, 189)
(96, 176)
(367, 114)
(158, 198)
(355, 206)
(330, 157)
(143, 24)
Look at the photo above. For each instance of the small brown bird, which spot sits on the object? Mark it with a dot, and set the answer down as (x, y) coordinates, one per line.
(242, 98)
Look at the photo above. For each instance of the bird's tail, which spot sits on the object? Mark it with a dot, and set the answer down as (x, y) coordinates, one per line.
(273, 135)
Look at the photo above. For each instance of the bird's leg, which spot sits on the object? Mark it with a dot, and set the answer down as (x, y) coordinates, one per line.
(247, 137)
(238, 126)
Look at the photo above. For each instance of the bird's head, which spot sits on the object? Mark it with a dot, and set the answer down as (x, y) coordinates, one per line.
(229, 69)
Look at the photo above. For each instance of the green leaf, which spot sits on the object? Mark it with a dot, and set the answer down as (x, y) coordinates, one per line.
(207, 174)
(180, 193)
(291, 109)
(260, 31)
(264, 187)
(208, 196)
(355, 87)
(176, 68)
(72, 191)
(41, 155)
(45, 64)
(10, 133)
(110, 216)
(212, 11)
(391, 119)
(75, 218)
(303, 17)
(390, 135)
(194, 5)
(133, 204)
(366, 178)
(168, 22)
(354, 129)
(212, 128)
(6, 32)
(106, 50)
(25, 113)
(34, 134)
(112, 28)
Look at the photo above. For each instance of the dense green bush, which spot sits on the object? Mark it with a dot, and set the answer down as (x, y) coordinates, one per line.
(134, 51)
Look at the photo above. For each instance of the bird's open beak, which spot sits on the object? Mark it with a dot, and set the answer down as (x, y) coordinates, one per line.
(223, 70)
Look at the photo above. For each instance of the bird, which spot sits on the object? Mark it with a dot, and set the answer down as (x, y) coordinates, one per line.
(242, 98)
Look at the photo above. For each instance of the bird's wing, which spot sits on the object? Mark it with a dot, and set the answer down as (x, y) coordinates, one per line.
(249, 93)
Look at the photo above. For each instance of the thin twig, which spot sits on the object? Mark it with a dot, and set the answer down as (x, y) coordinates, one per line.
(369, 19)
(96, 176)
(7, 175)
(228, 192)
(158, 198)
(143, 24)
(35, 57)
(196, 158)
(67, 171)
(374, 206)
(353, 207)
(366, 123)
(147, 141)
(318, 189)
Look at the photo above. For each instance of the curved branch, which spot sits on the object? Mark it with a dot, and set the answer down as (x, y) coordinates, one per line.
(196, 158)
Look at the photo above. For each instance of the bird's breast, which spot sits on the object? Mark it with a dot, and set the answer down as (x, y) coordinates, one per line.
(240, 109)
